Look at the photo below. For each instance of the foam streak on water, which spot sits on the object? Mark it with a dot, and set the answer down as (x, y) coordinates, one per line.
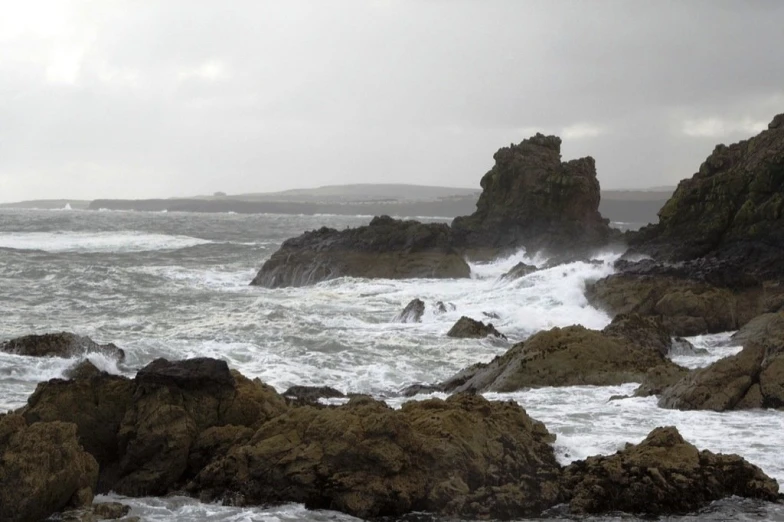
(176, 285)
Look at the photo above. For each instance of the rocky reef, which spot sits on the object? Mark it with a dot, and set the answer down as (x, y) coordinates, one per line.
(533, 199)
(195, 426)
(386, 248)
(63, 344)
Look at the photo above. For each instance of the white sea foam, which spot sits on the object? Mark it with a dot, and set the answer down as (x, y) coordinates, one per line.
(95, 241)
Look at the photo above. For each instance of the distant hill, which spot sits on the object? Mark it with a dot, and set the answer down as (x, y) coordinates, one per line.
(354, 193)
(49, 204)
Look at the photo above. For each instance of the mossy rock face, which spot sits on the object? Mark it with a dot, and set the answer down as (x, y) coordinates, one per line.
(531, 198)
(732, 209)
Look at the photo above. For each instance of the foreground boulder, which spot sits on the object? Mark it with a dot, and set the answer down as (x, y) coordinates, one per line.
(149, 433)
(467, 328)
(754, 378)
(572, 356)
(662, 475)
(43, 469)
(464, 456)
(63, 344)
(386, 248)
(731, 210)
(530, 198)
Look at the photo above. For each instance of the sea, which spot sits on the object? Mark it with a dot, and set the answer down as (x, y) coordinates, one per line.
(175, 285)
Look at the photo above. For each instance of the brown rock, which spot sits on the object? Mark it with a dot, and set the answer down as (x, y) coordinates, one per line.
(662, 475)
(43, 469)
(457, 457)
(467, 328)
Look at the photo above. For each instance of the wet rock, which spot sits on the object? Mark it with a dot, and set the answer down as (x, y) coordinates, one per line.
(143, 430)
(765, 329)
(531, 198)
(82, 370)
(686, 307)
(417, 389)
(646, 332)
(412, 313)
(442, 307)
(43, 469)
(464, 457)
(467, 328)
(754, 378)
(63, 344)
(731, 210)
(386, 248)
(96, 512)
(312, 394)
(565, 357)
(519, 270)
(659, 378)
(662, 475)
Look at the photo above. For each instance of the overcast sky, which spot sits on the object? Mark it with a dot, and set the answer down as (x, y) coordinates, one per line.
(112, 98)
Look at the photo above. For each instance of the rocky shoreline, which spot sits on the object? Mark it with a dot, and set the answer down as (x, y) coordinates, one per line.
(195, 426)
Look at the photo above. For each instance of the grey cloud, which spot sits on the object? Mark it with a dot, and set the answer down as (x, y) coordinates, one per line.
(138, 99)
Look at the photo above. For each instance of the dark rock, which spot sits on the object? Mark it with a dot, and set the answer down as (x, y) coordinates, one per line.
(531, 198)
(96, 512)
(681, 346)
(646, 332)
(519, 270)
(464, 457)
(659, 378)
(566, 357)
(731, 210)
(412, 313)
(417, 389)
(61, 344)
(662, 475)
(467, 328)
(142, 431)
(442, 308)
(82, 370)
(43, 469)
(686, 307)
(754, 378)
(386, 248)
(312, 394)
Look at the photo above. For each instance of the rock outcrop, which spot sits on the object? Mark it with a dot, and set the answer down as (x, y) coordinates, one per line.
(63, 344)
(519, 270)
(530, 198)
(731, 210)
(662, 475)
(43, 469)
(412, 313)
(754, 378)
(311, 394)
(462, 457)
(624, 352)
(386, 248)
(467, 328)
(144, 432)
(765, 329)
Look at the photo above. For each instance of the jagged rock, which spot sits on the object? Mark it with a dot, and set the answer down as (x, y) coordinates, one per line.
(519, 270)
(386, 248)
(681, 346)
(754, 378)
(659, 378)
(531, 198)
(731, 210)
(312, 394)
(43, 469)
(467, 328)
(662, 475)
(765, 329)
(412, 313)
(645, 332)
(142, 430)
(686, 307)
(442, 308)
(82, 370)
(566, 357)
(464, 456)
(63, 344)
(417, 389)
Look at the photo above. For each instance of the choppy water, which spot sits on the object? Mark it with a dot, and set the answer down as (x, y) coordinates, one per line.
(176, 285)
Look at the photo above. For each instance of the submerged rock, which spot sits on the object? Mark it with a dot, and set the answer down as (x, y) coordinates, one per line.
(312, 394)
(519, 270)
(63, 344)
(386, 248)
(43, 469)
(464, 456)
(530, 198)
(467, 328)
(413, 312)
(572, 356)
(662, 475)
(754, 378)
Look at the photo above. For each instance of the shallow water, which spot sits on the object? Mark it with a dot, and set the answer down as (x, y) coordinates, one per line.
(176, 285)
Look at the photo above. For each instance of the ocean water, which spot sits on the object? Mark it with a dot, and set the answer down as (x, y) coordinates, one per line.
(175, 285)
